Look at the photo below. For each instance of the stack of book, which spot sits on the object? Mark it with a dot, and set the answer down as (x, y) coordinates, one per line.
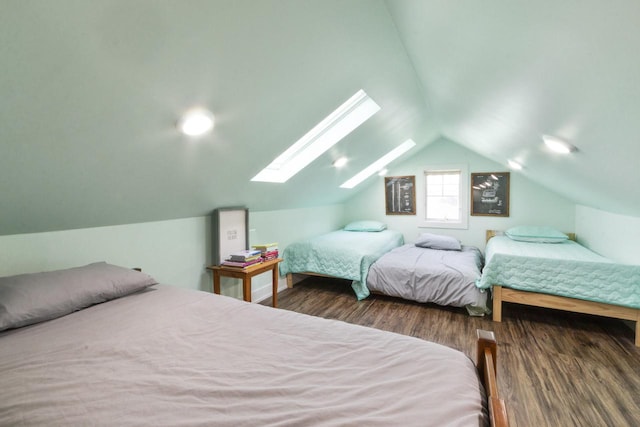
(243, 259)
(268, 251)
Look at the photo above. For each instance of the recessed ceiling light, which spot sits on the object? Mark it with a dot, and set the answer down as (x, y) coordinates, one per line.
(558, 145)
(340, 162)
(340, 123)
(514, 165)
(383, 172)
(379, 164)
(196, 122)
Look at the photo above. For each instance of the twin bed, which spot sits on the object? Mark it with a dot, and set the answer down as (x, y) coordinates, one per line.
(105, 345)
(541, 267)
(435, 269)
(536, 266)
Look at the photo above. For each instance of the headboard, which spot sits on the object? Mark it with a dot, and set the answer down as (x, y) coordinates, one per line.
(493, 233)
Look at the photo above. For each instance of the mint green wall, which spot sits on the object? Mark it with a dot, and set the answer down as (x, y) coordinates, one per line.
(611, 235)
(529, 203)
(175, 252)
(286, 227)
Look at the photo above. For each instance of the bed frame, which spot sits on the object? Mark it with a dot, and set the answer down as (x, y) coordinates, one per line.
(308, 273)
(504, 294)
(486, 364)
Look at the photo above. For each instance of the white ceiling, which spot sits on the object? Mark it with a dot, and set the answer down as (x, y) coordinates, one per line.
(500, 74)
(90, 93)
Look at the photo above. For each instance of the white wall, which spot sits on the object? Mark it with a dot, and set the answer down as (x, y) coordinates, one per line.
(530, 204)
(611, 235)
(174, 252)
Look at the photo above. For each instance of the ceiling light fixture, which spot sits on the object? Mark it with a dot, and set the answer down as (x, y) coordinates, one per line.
(196, 122)
(383, 172)
(340, 123)
(379, 164)
(514, 165)
(340, 162)
(558, 145)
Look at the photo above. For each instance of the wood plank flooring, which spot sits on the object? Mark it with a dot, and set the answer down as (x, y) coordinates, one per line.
(554, 368)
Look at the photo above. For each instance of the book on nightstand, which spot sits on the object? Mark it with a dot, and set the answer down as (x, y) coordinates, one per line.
(268, 251)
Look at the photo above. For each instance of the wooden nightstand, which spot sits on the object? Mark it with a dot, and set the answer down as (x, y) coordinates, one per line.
(246, 274)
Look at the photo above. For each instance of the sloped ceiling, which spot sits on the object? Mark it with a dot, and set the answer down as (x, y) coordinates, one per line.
(90, 92)
(499, 74)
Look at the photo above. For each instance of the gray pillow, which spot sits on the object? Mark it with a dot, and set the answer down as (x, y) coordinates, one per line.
(438, 241)
(31, 298)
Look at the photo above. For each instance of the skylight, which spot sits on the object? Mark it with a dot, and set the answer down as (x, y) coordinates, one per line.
(379, 164)
(358, 109)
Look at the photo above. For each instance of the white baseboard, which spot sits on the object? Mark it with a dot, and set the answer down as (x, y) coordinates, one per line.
(264, 292)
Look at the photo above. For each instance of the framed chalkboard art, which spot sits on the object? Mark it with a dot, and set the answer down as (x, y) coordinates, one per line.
(400, 195)
(490, 194)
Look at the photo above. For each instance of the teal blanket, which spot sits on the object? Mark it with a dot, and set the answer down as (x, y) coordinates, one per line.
(343, 254)
(566, 269)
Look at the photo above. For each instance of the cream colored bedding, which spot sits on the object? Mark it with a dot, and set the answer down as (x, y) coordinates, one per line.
(173, 357)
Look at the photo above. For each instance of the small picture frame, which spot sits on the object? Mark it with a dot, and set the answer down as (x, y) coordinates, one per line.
(400, 195)
(490, 194)
(230, 229)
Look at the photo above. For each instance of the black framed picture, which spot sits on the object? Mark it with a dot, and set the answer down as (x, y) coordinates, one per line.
(400, 195)
(490, 194)
(230, 229)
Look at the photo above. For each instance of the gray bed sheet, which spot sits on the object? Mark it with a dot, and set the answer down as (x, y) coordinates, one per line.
(174, 357)
(428, 275)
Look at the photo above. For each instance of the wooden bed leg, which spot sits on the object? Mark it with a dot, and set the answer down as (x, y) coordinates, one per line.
(289, 280)
(487, 367)
(497, 303)
(638, 330)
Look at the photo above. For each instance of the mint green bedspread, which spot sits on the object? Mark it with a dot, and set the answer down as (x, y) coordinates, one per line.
(566, 269)
(343, 254)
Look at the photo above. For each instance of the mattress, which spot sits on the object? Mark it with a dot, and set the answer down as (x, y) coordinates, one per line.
(168, 356)
(344, 254)
(566, 269)
(430, 275)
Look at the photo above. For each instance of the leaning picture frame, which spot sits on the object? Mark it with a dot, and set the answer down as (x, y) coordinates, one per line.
(230, 232)
(400, 195)
(490, 194)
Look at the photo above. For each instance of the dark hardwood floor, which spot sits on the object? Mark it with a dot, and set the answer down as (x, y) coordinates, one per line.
(554, 368)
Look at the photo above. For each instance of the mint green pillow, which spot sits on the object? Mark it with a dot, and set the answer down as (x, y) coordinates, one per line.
(536, 234)
(365, 226)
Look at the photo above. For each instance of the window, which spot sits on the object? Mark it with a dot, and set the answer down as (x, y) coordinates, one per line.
(340, 123)
(445, 197)
(379, 164)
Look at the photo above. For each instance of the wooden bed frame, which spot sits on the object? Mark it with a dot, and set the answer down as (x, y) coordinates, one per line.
(504, 294)
(486, 364)
(307, 273)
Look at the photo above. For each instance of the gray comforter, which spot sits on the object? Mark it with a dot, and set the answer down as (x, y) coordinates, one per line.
(173, 357)
(430, 275)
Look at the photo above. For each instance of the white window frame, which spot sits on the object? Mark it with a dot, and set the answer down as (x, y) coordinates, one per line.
(463, 222)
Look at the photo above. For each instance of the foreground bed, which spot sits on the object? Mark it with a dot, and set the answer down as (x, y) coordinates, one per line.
(561, 275)
(344, 254)
(169, 356)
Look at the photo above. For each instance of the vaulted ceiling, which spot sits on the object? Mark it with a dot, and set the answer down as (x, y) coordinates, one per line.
(90, 93)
